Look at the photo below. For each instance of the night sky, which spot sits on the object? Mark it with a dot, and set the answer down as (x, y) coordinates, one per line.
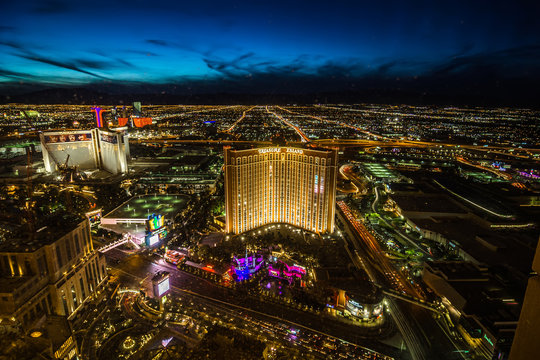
(452, 47)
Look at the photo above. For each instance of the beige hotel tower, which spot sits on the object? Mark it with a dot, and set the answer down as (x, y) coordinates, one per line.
(280, 185)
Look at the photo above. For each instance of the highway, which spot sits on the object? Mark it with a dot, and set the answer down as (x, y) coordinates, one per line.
(294, 338)
(336, 123)
(239, 119)
(300, 133)
(344, 143)
(390, 276)
(423, 335)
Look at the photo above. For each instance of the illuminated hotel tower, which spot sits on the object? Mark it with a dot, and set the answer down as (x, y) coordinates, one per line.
(280, 185)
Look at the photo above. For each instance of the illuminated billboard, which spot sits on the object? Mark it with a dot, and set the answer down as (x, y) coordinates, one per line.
(141, 122)
(153, 237)
(152, 240)
(155, 229)
(160, 284)
(94, 217)
(68, 137)
(110, 138)
(154, 222)
(99, 116)
(137, 108)
(163, 287)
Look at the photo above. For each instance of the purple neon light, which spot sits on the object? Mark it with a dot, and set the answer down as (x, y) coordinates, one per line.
(246, 266)
(529, 175)
(99, 120)
(288, 271)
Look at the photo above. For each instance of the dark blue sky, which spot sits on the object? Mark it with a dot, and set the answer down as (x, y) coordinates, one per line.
(272, 46)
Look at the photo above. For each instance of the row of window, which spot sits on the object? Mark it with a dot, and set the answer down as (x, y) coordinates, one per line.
(44, 306)
(68, 250)
(256, 202)
(279, 156)
(74, 293)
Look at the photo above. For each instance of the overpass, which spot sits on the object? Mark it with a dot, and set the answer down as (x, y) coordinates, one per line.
(339, 143)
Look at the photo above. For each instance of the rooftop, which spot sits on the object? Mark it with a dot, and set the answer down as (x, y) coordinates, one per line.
(428, 203)
(483, 244)
(492, 299)
(140, 207)
(458, 270)
(355, 283)
(57, 226)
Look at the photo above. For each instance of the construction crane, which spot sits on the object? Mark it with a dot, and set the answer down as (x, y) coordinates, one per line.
(67, 173)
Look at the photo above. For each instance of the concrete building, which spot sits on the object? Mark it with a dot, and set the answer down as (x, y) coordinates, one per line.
(280, 185)
(526, 345)
(87, 149)
(52, 274)
(480, 301)
(354, 295)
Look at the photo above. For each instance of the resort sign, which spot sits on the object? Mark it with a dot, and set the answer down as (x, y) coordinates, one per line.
(277, 150)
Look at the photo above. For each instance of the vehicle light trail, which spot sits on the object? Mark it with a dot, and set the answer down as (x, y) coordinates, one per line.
(295, 128)
(240, 119)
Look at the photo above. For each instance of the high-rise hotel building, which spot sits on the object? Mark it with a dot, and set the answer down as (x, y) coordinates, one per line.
(280, 185)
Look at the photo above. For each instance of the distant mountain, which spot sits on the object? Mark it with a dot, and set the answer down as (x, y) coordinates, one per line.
(76, 96)
(85, 96)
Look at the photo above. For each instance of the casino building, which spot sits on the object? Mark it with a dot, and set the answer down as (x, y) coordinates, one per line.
(87, 149)
(280, 185)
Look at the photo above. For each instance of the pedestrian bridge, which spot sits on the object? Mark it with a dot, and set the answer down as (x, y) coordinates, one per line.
(125, 238)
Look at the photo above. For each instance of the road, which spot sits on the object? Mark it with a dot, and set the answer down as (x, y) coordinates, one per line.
(295, 340)
(365, 132)
(300, 133)
(132, 269)
(397, 231)
(341, 143)
(423, 335)
(239, 119)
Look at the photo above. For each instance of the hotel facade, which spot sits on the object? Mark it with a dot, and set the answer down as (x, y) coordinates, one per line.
(280, 185)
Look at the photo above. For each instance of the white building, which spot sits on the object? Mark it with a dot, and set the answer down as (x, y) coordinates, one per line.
(87, 149)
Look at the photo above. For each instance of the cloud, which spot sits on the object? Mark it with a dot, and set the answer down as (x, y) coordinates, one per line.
(112, 61)
(173, 45)
(141, 52)
(15, 74)
(159, 42)
(12, 45)
(48, 7)
(251, 65)
(80, 65)
(240, 66)
(60, 64)
(507, 63)
(5, 28)
(92, 64)
(501, 73)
